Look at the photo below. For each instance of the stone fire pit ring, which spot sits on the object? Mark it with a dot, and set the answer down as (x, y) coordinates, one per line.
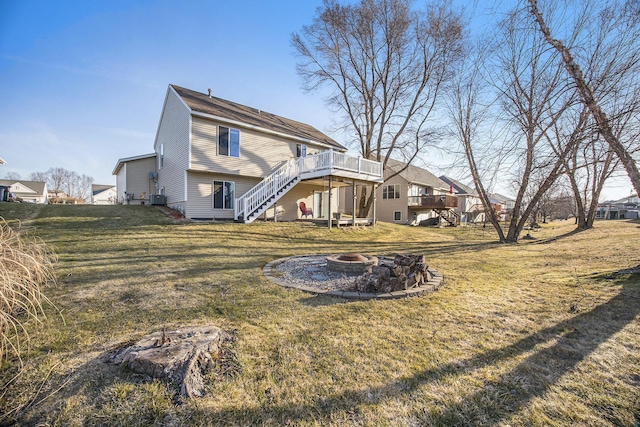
(351, 263)
(272, 273)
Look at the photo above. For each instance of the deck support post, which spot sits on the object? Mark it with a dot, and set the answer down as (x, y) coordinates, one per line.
(330, 197)
(355, 197)
(374, 188)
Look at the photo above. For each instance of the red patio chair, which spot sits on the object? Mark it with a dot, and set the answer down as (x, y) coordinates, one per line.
(305, 211)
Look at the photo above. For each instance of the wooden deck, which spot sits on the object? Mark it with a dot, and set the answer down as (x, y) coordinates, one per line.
(441, 201)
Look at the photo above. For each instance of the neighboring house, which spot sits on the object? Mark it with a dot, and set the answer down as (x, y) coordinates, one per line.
(103, 194)
(216, 159)
(411, 195)
(470, 206)
(27, 191)
(506, 205)
(135, 179)
(625, 208)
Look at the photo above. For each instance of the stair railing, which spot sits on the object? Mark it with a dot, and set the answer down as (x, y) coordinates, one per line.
(250, 201)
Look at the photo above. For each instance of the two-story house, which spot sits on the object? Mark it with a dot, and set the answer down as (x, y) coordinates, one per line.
(411, 194)
(217, 159)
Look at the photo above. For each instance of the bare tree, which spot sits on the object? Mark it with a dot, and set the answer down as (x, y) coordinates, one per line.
(468, 115)
(38, 176)
(84, 187)
(12, 175)
(615, 25)
(524, 88)
(57, 178)
(385, 65)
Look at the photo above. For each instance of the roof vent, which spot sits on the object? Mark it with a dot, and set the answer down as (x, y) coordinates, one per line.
(209, 93)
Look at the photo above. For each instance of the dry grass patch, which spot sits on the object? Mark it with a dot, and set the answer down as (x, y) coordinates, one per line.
(26, 265)
(525, 334)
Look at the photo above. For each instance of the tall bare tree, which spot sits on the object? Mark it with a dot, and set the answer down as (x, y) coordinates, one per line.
(468, 115)
(613, 28)
(525, 90)
(385, 65)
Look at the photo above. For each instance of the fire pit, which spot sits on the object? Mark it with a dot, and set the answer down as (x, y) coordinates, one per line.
(351, 263)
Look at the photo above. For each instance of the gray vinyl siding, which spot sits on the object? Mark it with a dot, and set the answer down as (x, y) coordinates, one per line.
(133, 178)
(259, 152)
(200, 203)
(173, 135)
(137, 179)
(121, 183)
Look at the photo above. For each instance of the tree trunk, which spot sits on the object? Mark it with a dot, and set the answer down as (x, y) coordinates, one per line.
(588, 99)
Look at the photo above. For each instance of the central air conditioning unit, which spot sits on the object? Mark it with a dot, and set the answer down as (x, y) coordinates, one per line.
(157, 200)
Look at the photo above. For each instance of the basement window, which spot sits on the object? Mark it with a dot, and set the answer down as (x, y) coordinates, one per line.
(397, 215)
(223, 194)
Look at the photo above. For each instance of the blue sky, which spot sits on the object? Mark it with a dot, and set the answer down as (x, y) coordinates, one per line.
(82, 82)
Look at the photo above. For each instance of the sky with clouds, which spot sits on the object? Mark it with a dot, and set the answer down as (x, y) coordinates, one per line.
(82, 82)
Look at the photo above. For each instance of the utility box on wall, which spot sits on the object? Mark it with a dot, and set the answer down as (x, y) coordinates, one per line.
(157, 199)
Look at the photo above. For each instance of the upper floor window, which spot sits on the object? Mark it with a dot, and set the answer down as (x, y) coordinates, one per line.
(417, 190)
(228, 142)
(301, 150)
(161, 156)
(391, 191)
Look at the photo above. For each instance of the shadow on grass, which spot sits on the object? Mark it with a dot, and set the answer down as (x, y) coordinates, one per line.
(561, 348)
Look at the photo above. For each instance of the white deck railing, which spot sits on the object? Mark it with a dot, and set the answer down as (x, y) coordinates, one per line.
(325, 161)
(266, 189)
(333, 160)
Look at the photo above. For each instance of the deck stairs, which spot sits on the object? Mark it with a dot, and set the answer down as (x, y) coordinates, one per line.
(268, 191)
(450, 216)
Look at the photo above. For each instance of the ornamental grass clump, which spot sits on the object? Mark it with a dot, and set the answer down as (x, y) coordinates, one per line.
(26, 265)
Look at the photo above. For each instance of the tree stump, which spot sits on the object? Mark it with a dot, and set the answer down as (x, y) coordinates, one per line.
(182, 357)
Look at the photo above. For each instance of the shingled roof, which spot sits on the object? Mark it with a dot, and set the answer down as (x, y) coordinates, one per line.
(459, 187)
(416, 175)
(202, 103)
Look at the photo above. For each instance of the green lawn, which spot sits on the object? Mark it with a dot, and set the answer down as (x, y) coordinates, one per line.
(536, 333)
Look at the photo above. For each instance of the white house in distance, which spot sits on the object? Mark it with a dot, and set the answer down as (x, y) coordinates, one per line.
(216, 159)
(27, 191)
(103, 194)
(625, 208)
